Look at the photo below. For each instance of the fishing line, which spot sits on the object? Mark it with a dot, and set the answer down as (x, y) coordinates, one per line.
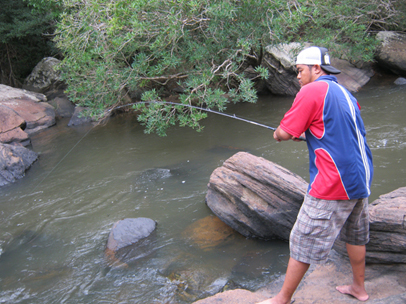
(160, 102)
(62, 159)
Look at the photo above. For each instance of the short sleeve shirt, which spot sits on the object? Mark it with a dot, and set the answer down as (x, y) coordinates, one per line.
(340, 160)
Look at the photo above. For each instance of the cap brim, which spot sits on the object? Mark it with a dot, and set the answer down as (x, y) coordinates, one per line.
(330, 69)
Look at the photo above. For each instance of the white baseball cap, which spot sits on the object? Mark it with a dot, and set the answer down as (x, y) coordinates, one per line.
(317, 55)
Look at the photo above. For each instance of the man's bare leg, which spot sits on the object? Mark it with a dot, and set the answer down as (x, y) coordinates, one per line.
(294, 274)
(357, 260)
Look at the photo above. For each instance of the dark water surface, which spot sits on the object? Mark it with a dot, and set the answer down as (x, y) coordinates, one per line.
(54, 223)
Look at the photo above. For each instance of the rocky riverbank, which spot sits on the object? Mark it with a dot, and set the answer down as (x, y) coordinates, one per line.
(386, 251)
(385, 284)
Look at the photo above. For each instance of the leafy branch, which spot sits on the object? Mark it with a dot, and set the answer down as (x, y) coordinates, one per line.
(119, 51)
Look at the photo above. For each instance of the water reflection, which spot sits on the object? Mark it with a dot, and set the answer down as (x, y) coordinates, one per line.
(55, 222)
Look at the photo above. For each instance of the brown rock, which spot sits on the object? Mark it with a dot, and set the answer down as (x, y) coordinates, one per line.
(10, 93)
(21, 108)
(236, 296)
(209, 232)
(351, 77)
(37, 115)
(255, 197)
(391, 54)
(11, 127)
(387, 222)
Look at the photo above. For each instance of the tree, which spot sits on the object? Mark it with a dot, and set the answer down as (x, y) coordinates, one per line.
(116, 49)
(346, 27)
(25, 32)
(120, 46)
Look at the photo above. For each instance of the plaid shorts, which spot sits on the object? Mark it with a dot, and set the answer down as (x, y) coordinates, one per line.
(319, 222)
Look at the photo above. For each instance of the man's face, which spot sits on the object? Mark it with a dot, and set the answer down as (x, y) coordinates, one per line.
(304, 74)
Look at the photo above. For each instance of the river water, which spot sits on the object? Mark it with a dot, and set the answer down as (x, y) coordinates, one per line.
(54, 223)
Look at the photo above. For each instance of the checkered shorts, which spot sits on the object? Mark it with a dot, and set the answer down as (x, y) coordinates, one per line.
(319, 222)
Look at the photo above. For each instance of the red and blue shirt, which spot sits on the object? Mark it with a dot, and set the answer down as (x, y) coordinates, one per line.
(340, 159)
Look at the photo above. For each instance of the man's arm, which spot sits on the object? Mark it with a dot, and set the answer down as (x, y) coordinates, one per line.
(280, 134)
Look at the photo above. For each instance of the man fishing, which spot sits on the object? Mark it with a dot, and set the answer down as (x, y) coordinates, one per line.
(336, 203)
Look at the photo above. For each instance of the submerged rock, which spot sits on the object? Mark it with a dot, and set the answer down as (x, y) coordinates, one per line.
(209, 232)
(193, 278)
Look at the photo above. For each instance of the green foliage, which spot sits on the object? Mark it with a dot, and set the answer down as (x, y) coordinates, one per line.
(345, 27)
(24, 38)
(112, 47)
(116, 47)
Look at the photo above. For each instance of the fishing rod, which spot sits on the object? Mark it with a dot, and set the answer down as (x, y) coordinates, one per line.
(203, 109)
(198, 108)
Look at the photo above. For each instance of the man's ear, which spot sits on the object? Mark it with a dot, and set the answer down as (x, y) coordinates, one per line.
(318, 70)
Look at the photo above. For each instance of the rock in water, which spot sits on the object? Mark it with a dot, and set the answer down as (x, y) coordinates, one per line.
(209, 232)
(256, 197)
(128, 241)
(14, 161)
(129, 231)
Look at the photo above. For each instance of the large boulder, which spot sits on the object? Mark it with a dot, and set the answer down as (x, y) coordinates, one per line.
(351, 77)
(280, 62)
(387, 220)
(391, 53)
(256, 197)
(14, 161)
(260, 199)
(23, 111)
(44, 77)
(37, 115)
